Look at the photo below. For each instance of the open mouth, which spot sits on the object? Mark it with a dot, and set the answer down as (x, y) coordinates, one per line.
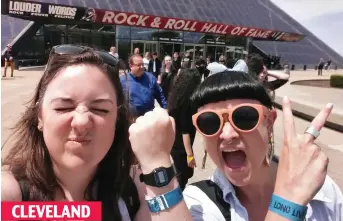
(234, 159)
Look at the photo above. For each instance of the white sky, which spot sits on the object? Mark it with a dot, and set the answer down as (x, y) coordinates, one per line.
(324, 18)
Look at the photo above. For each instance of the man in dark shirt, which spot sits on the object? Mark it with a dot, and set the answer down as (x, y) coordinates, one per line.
(141, 88)
(155, 65)
(9, 60)
(320, 67)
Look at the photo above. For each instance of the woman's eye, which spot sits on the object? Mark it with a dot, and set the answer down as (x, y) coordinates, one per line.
(100, 110)
(63, 109)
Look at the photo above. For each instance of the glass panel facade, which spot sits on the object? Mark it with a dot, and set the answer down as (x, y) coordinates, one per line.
(147, 34)
(126, 38)
(123, 31)
(194, 38)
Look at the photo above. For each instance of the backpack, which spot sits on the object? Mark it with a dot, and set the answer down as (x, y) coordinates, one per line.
(213, 191)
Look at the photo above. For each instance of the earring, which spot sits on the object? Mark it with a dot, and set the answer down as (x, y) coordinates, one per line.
(40, 126)
(270, 154)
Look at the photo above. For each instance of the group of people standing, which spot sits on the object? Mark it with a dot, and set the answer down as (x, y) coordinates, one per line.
(78, 141)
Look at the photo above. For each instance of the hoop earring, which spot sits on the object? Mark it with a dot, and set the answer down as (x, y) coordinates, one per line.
(270, 154)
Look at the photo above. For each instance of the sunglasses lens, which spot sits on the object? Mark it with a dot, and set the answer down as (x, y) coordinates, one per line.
(245, 118)
(208, 123)
(68, 49)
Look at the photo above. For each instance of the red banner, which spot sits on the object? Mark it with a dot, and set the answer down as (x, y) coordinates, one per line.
(177, 24)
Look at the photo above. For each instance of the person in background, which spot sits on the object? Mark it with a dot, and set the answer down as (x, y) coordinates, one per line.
(200, 65)
(328, 64)
(320, 67)
(222, 60)
(176, 63)
(215, 68)
(186, 60)
(136, 51)
(180, 109)
(167, 76)
(241, 64)
(146, 60)
(9, 60)
(155, 65)
(113, 52)
(259, 71)
(122, 67)
(142, 88)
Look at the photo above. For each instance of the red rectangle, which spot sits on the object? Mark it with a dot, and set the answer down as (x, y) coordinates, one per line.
(51, 211)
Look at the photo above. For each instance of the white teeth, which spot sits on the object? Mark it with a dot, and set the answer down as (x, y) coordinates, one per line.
(230, 150)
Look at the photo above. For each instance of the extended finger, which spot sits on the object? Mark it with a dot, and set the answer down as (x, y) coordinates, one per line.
(319, 121)
(288, 120)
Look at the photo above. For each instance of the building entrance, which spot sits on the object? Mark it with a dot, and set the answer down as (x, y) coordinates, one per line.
(167, 48)
(196, 51)
(214, 52)
(144, 46)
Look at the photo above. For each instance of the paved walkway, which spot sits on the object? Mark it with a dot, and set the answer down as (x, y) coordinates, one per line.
(16, 93)
(311, 100)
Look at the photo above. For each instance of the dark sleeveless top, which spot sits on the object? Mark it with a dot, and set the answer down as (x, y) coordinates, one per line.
(130, 196)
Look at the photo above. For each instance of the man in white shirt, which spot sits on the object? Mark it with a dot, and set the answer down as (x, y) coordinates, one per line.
(215, 67)
(241, 65)
(113, 52)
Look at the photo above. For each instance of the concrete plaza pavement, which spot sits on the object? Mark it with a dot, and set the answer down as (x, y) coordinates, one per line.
(17, 91)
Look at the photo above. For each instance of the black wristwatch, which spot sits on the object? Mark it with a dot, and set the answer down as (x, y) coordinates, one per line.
(159, 177)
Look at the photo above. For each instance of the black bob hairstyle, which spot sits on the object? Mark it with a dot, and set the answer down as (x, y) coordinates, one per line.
(230, 85)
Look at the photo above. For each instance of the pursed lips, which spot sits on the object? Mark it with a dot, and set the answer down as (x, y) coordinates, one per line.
(79, 139)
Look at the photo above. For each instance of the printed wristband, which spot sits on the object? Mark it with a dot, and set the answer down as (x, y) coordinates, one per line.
(287, 209)
(164, 201)
(189, 159)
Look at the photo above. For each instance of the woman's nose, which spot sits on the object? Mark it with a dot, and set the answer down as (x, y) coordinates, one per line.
(81, 121)
(228, 132)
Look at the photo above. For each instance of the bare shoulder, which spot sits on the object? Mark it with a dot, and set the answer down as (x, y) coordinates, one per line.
(10, 189)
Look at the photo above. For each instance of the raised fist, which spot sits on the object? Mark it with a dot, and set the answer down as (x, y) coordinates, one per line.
(152, 137)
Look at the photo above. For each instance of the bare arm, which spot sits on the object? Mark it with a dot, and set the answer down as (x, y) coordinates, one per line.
(278, 75)
(10, 189)
(187, 143)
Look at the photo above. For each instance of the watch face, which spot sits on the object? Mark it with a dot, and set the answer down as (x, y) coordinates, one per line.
(161, 177)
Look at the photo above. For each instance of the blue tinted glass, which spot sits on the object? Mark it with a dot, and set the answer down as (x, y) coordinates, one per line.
(123, 31)
(193, 37)
(143, 33)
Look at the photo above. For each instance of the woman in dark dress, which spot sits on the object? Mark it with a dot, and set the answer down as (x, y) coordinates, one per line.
(167, 76)
(180, 109)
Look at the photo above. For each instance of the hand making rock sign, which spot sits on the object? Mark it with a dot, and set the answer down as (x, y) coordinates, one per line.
(303, 166)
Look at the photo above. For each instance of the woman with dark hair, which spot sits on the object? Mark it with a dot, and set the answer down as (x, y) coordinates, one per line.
(180, 109)
(235, 118)
(167, 76)
(259, 71)
(122, 67)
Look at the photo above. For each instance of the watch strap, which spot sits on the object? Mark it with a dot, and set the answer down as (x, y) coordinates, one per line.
(164, 201)
(150, 179)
